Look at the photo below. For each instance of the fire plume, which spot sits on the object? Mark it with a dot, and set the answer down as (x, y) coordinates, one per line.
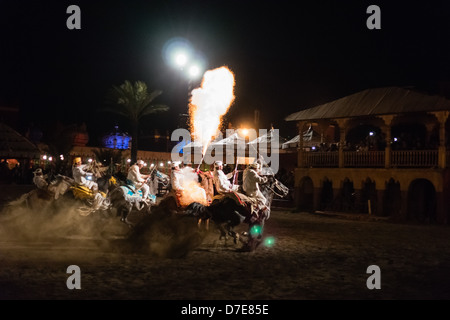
(209, 103)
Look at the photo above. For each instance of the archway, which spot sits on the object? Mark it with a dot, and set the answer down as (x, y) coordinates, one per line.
(368, 195)
(421, 201)
(306, 194)
(326, 194)
(392, 199)
(347, 195)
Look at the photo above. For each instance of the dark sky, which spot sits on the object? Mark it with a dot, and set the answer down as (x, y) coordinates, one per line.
(286, 55)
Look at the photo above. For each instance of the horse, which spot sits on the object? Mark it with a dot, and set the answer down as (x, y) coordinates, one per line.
(166, 232)
(124, 197)
(42, 199)
(230, 210)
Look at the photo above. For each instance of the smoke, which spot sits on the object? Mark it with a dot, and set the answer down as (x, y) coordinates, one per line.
(47, 219)
(209, 103)
(193, 191)
(58, 224)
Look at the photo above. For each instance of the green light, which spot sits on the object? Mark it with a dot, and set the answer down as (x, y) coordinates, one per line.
(269, 241)
(256, 230)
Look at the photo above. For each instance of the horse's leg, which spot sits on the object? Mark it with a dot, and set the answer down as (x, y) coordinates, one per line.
(223, 232)
(233, 233)
(254, 236)
(125, 211)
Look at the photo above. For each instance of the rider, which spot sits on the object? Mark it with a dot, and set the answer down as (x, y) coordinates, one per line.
(176, 176)
(251, 181)
(80, 176)
(221, 181)
(39, 179)
(136, 178)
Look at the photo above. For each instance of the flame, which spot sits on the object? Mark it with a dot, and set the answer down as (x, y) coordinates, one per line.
(209, 103)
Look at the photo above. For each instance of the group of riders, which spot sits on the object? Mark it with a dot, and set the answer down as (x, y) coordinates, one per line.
(223, 183)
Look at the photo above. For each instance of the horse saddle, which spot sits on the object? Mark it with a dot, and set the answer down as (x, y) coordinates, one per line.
(131, 195)
(239, 198)
(82, 192)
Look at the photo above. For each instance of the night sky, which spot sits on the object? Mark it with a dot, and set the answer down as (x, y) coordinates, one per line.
(286, 55)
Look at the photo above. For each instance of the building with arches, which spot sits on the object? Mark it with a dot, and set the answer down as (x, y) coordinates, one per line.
(383, 151)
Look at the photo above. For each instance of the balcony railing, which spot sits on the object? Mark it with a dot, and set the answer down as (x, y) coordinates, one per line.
(415, 158)
(364, 159)
(321, 159)
(375, 159)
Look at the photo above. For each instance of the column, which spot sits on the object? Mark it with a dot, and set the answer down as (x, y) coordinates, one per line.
(442, 117)
(300, 156)
(387, 131)
(342, 123)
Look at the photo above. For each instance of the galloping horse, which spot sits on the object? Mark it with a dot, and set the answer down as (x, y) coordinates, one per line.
(42, 199)
(228, 211)
(124, 197)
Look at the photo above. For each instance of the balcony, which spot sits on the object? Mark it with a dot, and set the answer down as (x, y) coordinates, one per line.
(374, 159)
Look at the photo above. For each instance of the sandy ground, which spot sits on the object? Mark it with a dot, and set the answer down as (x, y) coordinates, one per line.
(312, 257)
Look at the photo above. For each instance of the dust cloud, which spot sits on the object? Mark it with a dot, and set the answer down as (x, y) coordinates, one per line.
(161, 233)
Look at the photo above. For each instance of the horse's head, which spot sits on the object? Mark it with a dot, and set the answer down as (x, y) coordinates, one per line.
(274, 186)
(162, 177)
(60, 185)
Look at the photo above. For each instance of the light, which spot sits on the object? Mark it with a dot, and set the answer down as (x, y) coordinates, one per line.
(244, 132)
(313, 148)
(269, 241)
(152, 165)
(61, 157)
(161, 164)
(89, 160)
(128, 160)
(169, 162)
(145, 164)
(256, 230)
(50, 158)
(194, 71)
(181, 59)
(44, 157)
(371, 133)
(177, 52)
(395, 139)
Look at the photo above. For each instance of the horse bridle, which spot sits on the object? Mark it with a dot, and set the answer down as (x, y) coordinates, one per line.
(279, 186)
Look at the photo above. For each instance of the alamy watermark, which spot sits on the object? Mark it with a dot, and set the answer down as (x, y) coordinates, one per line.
(232, 149)
(74, 280)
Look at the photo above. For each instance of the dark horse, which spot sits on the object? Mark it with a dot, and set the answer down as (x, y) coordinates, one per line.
(229, 211)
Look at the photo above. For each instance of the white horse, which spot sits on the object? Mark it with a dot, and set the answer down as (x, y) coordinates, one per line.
(40, 199)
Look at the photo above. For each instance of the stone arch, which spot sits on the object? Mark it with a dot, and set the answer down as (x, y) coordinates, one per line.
(368, 193)
(306, 194)
(422, 202)
(326, 194)
(392, 199)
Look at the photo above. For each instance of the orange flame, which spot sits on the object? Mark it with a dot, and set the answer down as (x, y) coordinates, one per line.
(209, 103)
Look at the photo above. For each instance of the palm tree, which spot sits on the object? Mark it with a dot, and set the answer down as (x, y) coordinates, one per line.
(134, 102)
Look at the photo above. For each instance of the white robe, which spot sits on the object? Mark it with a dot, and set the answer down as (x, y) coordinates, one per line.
(222, 182)
(79, 175)
(177, 180)
(135, 176)
(250, 185)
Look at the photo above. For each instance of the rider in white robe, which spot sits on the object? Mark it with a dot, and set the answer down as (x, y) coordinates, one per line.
(39, 179)
(251, 181)
(79, 175)
(221, 180)
(138, 179)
